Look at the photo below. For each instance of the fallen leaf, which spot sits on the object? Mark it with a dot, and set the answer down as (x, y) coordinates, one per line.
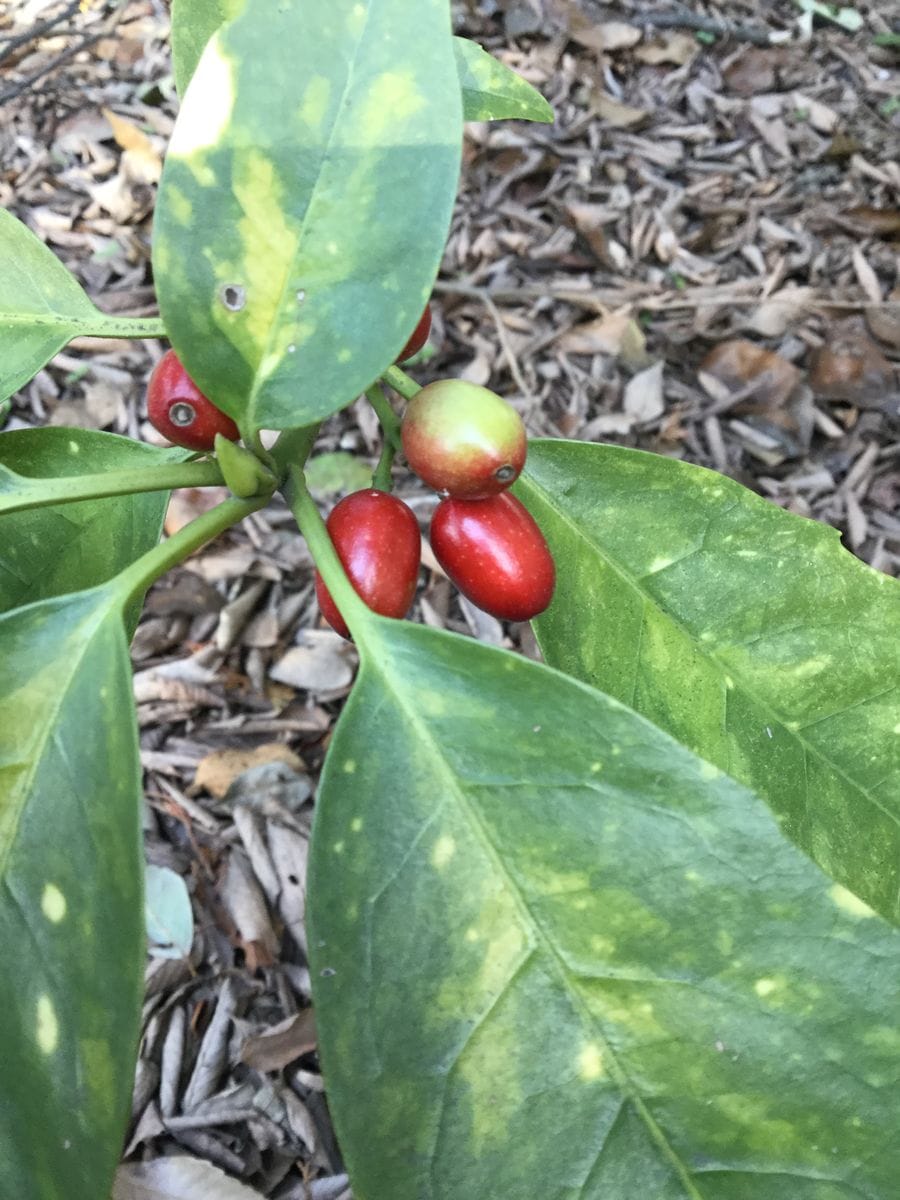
(167, 914)
(141, 161)
(742, 366)
(644, 394)
(617, 334)
(178, 1178)
(884, 321)
(322, 662)
(883, 222)
(277, 1047)
(781, 310)
(753, 71)
(676, 48)
(187, 503)
(218, 770)
(617, 114)
(849, 366)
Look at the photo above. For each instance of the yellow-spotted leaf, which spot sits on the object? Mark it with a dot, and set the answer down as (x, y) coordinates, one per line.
(492, 91)
(71, 914)
(193, 24)
(557, 955)
(70, 546)
(748, 633)
(305, 201)
(43, 306)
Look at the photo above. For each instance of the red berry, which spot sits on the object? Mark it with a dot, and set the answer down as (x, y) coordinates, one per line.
(418, 338)
(179, 410)
(463, 439)
(496, 555)
(377, 539)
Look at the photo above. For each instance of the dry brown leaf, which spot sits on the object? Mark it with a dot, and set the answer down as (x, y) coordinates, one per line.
(608, 35)
(849, 366)
(742, 366)
(617, 334)
(618, 115)
(676, 48)
(218, 770)
(781, 310)
(753, 72)
(881, 221)
(884, 321)
(322, 662)
(188, 503)
(277, 1047)
(141, 161)
(644, 394)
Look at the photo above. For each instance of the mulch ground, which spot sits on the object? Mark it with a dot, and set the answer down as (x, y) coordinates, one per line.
(700, 258)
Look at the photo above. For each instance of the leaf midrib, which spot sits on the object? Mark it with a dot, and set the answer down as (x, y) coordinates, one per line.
(380, 663)
(259, 381)
(765, 705)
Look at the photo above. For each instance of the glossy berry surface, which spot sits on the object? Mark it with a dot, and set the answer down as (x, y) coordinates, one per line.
(180, 412)
(377, 539)
(496, 555)
(463, 439)
(418, 337)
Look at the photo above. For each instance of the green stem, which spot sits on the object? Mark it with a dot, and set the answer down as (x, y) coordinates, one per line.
(129, 327)
(38, 493)
(382, 478)
(401, 382)
(5, 410)
(292, 449)
(390, 422)
(302, 505)
(136, 579)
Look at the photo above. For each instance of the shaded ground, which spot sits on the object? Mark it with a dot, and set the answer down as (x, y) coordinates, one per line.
(700, 258)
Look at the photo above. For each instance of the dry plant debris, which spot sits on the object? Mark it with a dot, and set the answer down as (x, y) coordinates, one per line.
(700, 258)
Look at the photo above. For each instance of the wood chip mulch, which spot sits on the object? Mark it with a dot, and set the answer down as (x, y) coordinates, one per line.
(700, 258)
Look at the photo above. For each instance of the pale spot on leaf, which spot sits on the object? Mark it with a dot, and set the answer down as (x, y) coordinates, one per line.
(53, 903)
(47, 1030)
(849, 903)
(590, 1062)
(442, 851)
(207, 114)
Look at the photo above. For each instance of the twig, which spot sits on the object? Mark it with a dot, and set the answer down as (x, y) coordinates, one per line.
(682, 18)
(36, 31)
(508, 351)
(24, 84)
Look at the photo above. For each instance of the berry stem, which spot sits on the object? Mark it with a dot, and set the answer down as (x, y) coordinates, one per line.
(302, 505)
(382, 479)
(134, 581)
(401, 382)
(390, 422)
(38, 493)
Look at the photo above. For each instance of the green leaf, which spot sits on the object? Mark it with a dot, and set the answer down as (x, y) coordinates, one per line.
(70, 896)
(193, 24)
(556, 955)
(321, 144)
(746, 632)
(48, 551)
(42, 305)
(492, 91)
(329, 474)
(168, 914)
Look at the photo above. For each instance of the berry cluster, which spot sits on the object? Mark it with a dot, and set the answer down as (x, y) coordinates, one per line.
(469, 445)
(462, 440)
